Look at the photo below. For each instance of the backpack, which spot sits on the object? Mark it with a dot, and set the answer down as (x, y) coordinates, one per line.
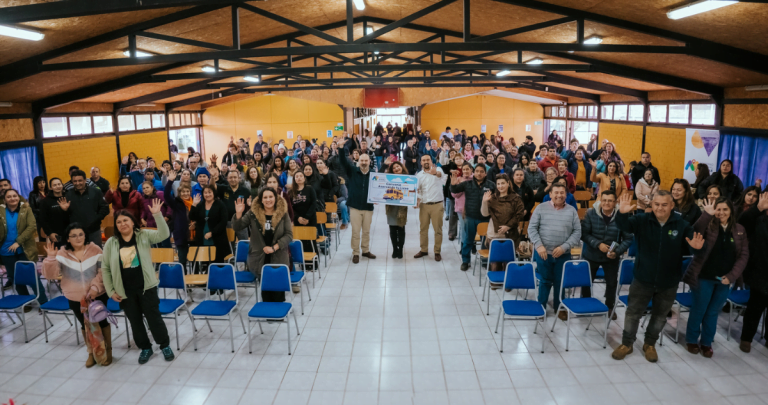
(98, 312)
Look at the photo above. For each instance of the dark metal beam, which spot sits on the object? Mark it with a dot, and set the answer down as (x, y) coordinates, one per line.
(403, 21)
(291, 23)
(345, 87)
(561, 91)
(392, 55)
(101, 88)
(184, 41)
(160, 95)
(235, 27)
(30, 66)
(360, 48)
(593, 85)
(381, 79)
(201, 99)
(350, 22)
(67, 9)
(369, 68)
(696, 46)
(466, 16)
(521, 30)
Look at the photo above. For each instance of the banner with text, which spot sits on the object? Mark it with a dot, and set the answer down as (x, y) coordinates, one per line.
(700, 147)
(392, 189)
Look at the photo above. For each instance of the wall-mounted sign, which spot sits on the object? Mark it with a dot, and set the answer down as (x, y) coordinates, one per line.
(527, 127)
(339, 127)
(259, 132)
(329, 133)
(537, 123)
(482, 128)
(501, 128)
(290, 134)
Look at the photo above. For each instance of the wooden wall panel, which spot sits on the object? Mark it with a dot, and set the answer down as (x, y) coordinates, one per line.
(20, 129)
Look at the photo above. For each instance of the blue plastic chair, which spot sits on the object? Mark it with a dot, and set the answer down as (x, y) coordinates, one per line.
(25, 273)
(273, 278)
(244, 279)
(576, 274)
(58, 305)
(172, 277)
(521, 276)
(297, 250)
(114, 307)
(500, 251)
(738, 300)
(221, 276)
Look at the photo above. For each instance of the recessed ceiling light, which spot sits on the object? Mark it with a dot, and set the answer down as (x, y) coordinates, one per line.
(759, 87)
(210, 69)
(139, 54)
(269, 94)
(359, 4)
(535, 61)
(697, 7)
(369, 30)
(570, 51)
(21, 33)
(251, 79)
(375, 52)
(593, 40)
(503, 73)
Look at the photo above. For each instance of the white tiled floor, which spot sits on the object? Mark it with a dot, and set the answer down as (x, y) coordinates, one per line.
(383, 331)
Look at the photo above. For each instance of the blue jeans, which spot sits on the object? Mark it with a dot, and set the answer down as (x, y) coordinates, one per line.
(468, 238)
(708, 299)
(448, 208)
(10, 265)
(378, 162)
(551, 272)
(344, 212)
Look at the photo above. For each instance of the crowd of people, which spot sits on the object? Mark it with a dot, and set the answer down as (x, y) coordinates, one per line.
(522, 192)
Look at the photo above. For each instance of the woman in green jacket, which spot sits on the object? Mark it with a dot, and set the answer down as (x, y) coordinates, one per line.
(17, 237)
(129, 278)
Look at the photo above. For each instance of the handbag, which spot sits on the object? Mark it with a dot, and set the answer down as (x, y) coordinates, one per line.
(98, 312)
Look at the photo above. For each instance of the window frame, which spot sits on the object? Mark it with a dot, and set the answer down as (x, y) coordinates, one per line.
(68, 116)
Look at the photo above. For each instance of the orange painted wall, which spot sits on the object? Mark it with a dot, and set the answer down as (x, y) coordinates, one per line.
(274, 116)
(667, 149)
(470, 113)
(85, 153)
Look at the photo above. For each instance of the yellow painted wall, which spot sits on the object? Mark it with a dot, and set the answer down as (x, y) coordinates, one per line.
(274, 116)
(85, 153)
(153, 144)
(470, 113)
(667, 149)
(627, 138)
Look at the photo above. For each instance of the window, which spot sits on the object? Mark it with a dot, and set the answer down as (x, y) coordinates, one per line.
(607, 113)
(185, 138)
(582, 111)
(54, 126)
(658, 113)
(703, 114)
(620, 112)
(583, 130)
(80, 125)
(158, 120)
(102, 124)
(143, 121)
(194, 119)
(636, 112)
(126, 123)
(562, 112)
(678, 113)
(592, 112)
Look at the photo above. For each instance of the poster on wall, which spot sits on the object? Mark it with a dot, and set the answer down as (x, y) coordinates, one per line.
(290, 134)
(501, 128)
(329, 133)
(259, 132)
(700, 147)
(392, 189)
(482, 128)
(528, 128)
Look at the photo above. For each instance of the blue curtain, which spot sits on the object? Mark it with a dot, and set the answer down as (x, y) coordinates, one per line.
(20, 166)
(750, 162)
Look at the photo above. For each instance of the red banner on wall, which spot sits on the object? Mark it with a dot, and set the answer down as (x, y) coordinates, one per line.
(382, 98)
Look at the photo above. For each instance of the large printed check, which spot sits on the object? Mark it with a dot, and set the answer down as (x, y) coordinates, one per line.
(392, 189)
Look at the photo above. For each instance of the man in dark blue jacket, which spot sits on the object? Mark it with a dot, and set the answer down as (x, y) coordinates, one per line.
(360, 211)
(661, 244)
(473, 198)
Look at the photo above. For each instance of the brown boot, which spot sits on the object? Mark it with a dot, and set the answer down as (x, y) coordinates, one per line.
(622, 351)
(693, 348)
(91, 361)
(650, 353)
(563, 315)
(107, 333)
(745, 346)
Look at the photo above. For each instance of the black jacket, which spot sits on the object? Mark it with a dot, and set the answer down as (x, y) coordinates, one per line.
(88, 208)
(731, 185)
(527, 195)
(357, 184)
(334, 164)
(530, 149)
(495, 171)
(691, 215)
(594, 232)
(329, 186)
(638, 172)
(756, 225)
(473, 196)
(660, 249)
(34, 200)
(217, 224)
(52, 218)
(409, 155)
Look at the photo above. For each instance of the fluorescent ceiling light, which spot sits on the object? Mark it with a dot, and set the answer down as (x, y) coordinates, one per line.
(146, 105)
(697, 7)
(251, 79)
(21, 33)
(269, 94)
(369, 30)
(535, 61)
(210, 69)
(359, 4)
(375, 52)
(139, 54)
(570, 51)
(6, 104)
(593, 40)
(760, 87)
(503, 73)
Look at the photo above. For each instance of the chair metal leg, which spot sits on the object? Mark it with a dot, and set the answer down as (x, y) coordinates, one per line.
(730, 318)
(176, 324)
(555, 322)
(231, 334)
(301, 294)
(65, 316)
(288, 328)
(488, 304)
(209, 325)
(568, 334)
(241, 321)
(501, 309)
(306, 284)
(24, 323)
(501, 349)
(194, 336)
(250, 351)
(605, 334)
(544, 328)
(318, 268)
(590, 322)
(45, 327)
(260, 329)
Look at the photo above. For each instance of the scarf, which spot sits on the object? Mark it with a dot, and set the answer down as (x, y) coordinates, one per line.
(188, 203)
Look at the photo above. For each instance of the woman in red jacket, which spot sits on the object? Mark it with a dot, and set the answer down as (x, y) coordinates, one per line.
(125, 198)
(713, 270)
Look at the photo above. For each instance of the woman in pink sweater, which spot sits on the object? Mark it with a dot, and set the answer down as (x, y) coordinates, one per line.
(79, 266)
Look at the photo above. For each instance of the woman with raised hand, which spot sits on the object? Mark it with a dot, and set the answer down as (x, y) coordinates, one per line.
(286, 179)
(271, 233)
(129, 278)
(125, 198)
(180, 206)
(78, 265)
(713, 270)
(612, 179)
(210, 217)
(729, 183)
(54, 218)
(712, 194)
(747, 200)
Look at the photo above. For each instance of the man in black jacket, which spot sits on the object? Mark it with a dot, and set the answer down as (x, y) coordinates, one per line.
(598, 232)
(411, 157)
(755, 222)
(528, 147)
(661, 244)
(87, 207)
(360, 211)
(639, 170)
(473, 198)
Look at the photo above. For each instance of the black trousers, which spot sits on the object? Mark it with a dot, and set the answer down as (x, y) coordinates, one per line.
(755, 308)
(145, 304)
(611, 270)
(75, 307)
(397, 236)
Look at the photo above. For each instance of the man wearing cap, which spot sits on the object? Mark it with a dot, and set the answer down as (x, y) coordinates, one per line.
(203, 176)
